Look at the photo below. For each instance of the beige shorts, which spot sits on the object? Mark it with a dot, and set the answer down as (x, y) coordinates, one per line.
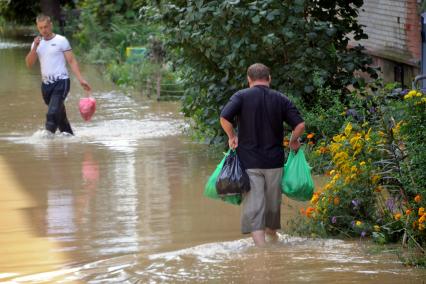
(261, 206)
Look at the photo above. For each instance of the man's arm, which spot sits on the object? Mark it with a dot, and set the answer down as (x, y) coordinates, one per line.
(69, 56)
(229, 129)
(295, 135)
(31, 57)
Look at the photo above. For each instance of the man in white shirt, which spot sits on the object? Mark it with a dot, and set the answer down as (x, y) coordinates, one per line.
(53, 51)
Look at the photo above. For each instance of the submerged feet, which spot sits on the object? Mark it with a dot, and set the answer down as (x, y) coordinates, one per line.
(47, 134)
(261, 237)
(50, 135)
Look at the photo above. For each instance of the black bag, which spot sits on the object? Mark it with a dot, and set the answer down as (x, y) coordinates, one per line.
(232, 179)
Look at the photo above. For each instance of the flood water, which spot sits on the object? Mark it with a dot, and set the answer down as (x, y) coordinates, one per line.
(121, 202)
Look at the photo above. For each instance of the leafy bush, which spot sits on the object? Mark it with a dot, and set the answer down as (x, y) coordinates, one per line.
(377, 175)
(300, 39)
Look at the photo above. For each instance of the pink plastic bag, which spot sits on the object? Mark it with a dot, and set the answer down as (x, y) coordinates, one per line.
(87, 108)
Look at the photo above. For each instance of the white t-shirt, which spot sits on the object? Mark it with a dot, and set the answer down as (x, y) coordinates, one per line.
(52, 60)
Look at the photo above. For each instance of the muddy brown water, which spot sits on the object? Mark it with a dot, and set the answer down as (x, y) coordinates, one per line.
(121, 202)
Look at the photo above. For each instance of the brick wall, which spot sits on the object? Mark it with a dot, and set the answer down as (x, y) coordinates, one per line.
(394, 37)
(393, 28)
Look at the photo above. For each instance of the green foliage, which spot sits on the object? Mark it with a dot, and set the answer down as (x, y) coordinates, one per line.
(377, 174)
(105, 29)
(117, 25)
(19, 11)
(217, 40)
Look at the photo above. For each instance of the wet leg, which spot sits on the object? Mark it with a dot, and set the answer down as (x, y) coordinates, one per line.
(54, 113)
(272, 235)
(259, 238)
(64, 125)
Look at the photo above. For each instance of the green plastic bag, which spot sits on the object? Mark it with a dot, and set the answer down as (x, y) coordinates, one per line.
(210, 187)
(297, 181)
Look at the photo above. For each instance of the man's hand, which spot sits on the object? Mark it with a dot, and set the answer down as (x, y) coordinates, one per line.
(85, 85)
(31, 57)
(233, 142)
(294, 140)
(37, 41)
(294, 145)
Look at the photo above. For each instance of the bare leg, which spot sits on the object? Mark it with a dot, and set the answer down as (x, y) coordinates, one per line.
(259, 238)
(272, 234)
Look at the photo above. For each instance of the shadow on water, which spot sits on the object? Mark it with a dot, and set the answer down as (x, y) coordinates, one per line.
(121, 202)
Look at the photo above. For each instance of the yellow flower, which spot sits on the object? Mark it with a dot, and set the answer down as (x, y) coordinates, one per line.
(418, 94)
(377, 228)
(354, 169)
(334, 147)
(421, 227)
(375, 178)
(362, 164)
(397, 216)
(336, 177)
(315, 198)
(358, 223)
(367, 136)
(348, 129)
(418, 198)
(422, 219)
(347, 180)
(410, 94)
(421, 211)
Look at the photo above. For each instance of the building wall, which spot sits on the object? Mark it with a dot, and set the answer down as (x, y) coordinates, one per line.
(394, 31)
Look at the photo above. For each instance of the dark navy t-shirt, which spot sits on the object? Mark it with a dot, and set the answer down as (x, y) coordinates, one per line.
(261, 113)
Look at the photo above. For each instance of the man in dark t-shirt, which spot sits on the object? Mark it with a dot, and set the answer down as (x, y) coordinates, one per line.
(261, 113)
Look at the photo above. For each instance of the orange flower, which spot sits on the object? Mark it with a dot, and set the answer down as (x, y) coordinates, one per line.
(418, 198)
(286, 141)
(408, 212)
(310, 135)
(310, 143)
(415, 224)
(378, 189)
(309, 211)
(421, 211)
(397, 216)
(336, 200)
